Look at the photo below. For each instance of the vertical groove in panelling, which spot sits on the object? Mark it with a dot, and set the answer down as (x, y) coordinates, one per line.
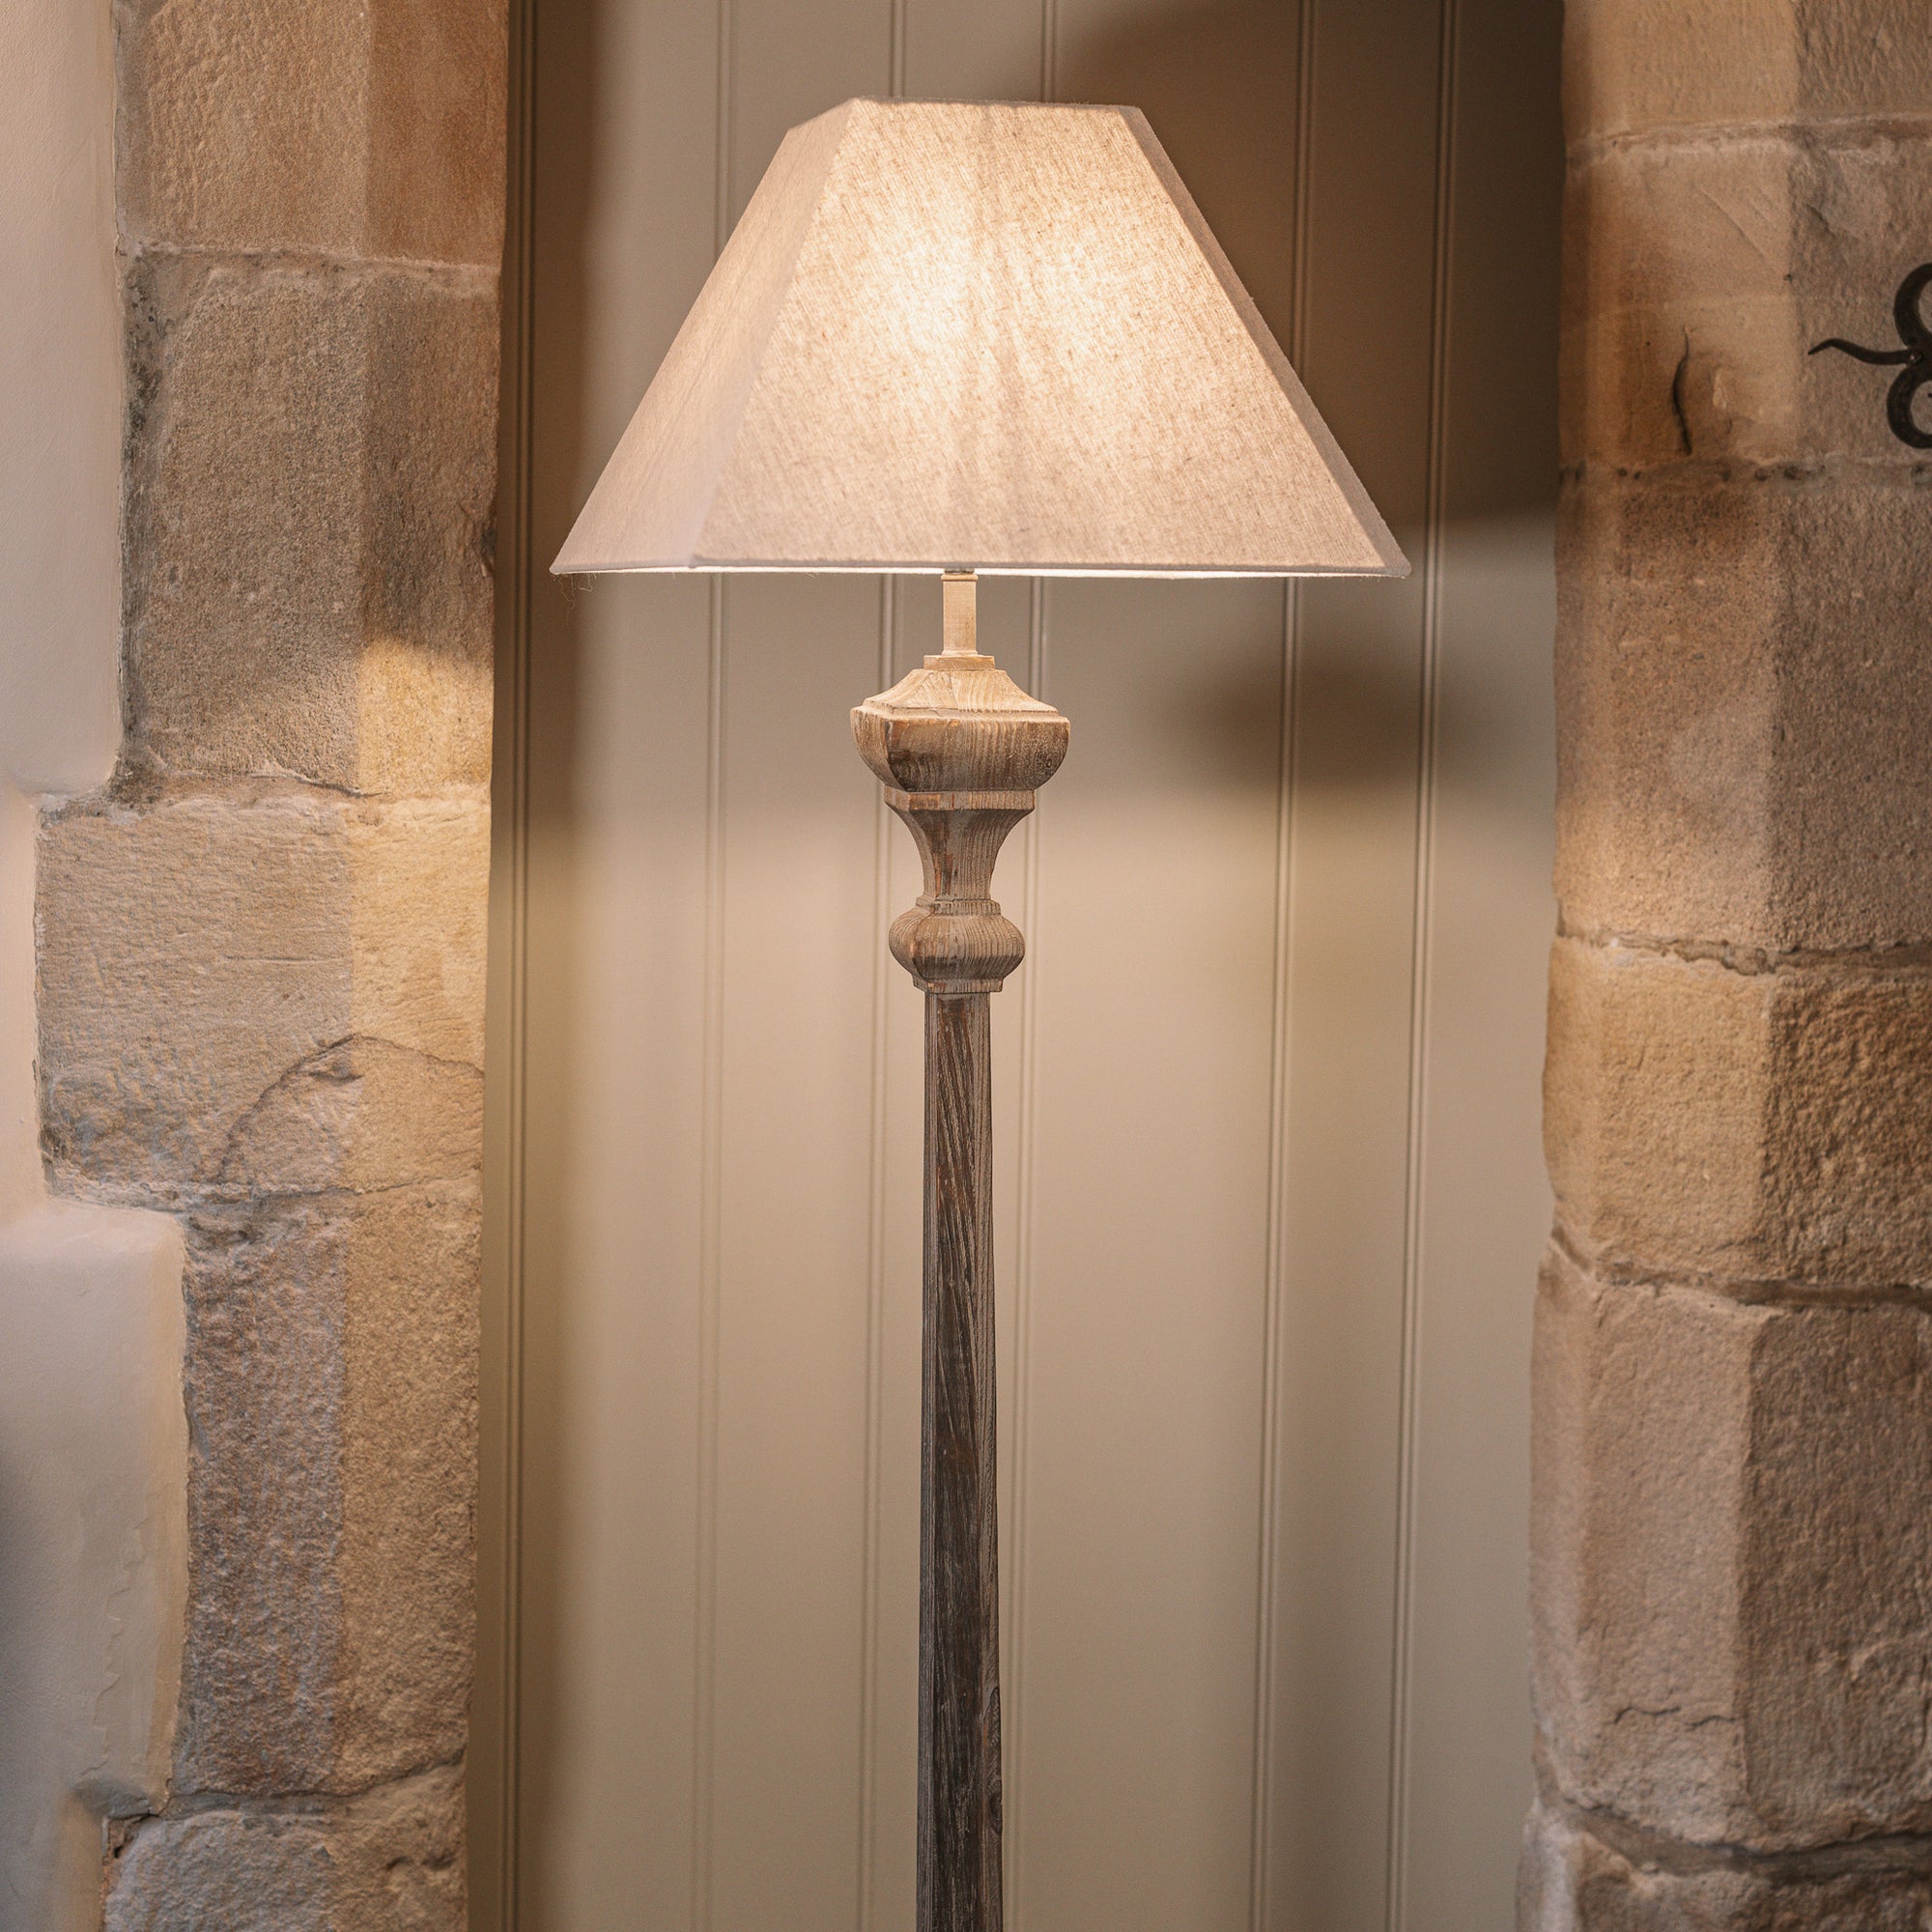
(721, 178)
(1422, 928)
(512, 803)
(896, 50)
(710, 1275)
(875, 1264)
(1012, 1702)
(711, 1126)
(1266, 1572)
(1011, 1699)
(1279, 1020)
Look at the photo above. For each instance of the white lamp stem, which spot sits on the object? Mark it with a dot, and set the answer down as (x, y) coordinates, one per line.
(960, 614)
(963, 751)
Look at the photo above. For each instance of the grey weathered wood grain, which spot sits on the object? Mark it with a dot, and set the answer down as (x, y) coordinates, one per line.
(961, 750)
(959, 1574)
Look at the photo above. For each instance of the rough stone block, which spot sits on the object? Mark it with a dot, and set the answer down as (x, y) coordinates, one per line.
(311, 480)
(332, 1388)
(363, 1114)
(1572, 1881)
(391, 1861)
(1698, 276)
(361, 127)
(1744, 699)
(1732, 1642)
(260, 988)
(1764, 1126)
(1641, 1426)
(1634, 67)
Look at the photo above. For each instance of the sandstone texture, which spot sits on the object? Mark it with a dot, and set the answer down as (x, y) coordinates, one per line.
(330, 1621)
(1743, 682)
(224, 967)
(1754, 1125)
(1702, 275)
(1732, 1462)
(310, 483)
(391, 1861)
(1657, 66)
(1732, 1528)
(261, 948)
(1573, 1880)
(261, 1007)
(370, 128)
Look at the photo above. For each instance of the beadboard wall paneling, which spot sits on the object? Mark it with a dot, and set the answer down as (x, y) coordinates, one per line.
(1269, 1194)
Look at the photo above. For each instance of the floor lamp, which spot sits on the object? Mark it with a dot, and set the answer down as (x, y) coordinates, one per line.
(951, 337)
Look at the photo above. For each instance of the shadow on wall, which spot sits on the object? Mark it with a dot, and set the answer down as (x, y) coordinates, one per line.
(1358, 711)
(1208, 79)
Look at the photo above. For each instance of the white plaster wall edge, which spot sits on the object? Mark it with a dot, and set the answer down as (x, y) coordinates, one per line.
(93, 1539)
(93, 1428)
(60, 400)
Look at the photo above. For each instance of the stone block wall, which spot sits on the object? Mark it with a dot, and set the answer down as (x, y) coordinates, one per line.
(260, 947)
(1732, 1538)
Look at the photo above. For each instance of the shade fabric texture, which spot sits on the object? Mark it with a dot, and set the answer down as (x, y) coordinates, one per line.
(952, 335)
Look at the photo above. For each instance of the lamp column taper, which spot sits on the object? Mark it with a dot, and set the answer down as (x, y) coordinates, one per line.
(961, 750)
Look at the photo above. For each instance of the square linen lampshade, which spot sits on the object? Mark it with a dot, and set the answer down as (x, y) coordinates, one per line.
(949, 337)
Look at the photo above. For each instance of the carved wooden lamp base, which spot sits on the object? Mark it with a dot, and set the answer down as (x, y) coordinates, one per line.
(961, 750)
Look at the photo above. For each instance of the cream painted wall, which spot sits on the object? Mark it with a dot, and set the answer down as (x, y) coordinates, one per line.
(60, 406)
(60, 487)
(93, 1436)
(1270, 1189)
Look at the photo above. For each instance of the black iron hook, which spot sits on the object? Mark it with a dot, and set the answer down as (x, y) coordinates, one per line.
(1909, 318)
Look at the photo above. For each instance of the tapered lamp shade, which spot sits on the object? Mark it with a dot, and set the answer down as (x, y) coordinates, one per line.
(965, 336)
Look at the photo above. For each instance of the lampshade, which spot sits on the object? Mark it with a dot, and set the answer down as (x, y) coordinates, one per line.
(993, 337)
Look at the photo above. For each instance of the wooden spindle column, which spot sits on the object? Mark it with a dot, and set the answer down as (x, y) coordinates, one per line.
(961, 750)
